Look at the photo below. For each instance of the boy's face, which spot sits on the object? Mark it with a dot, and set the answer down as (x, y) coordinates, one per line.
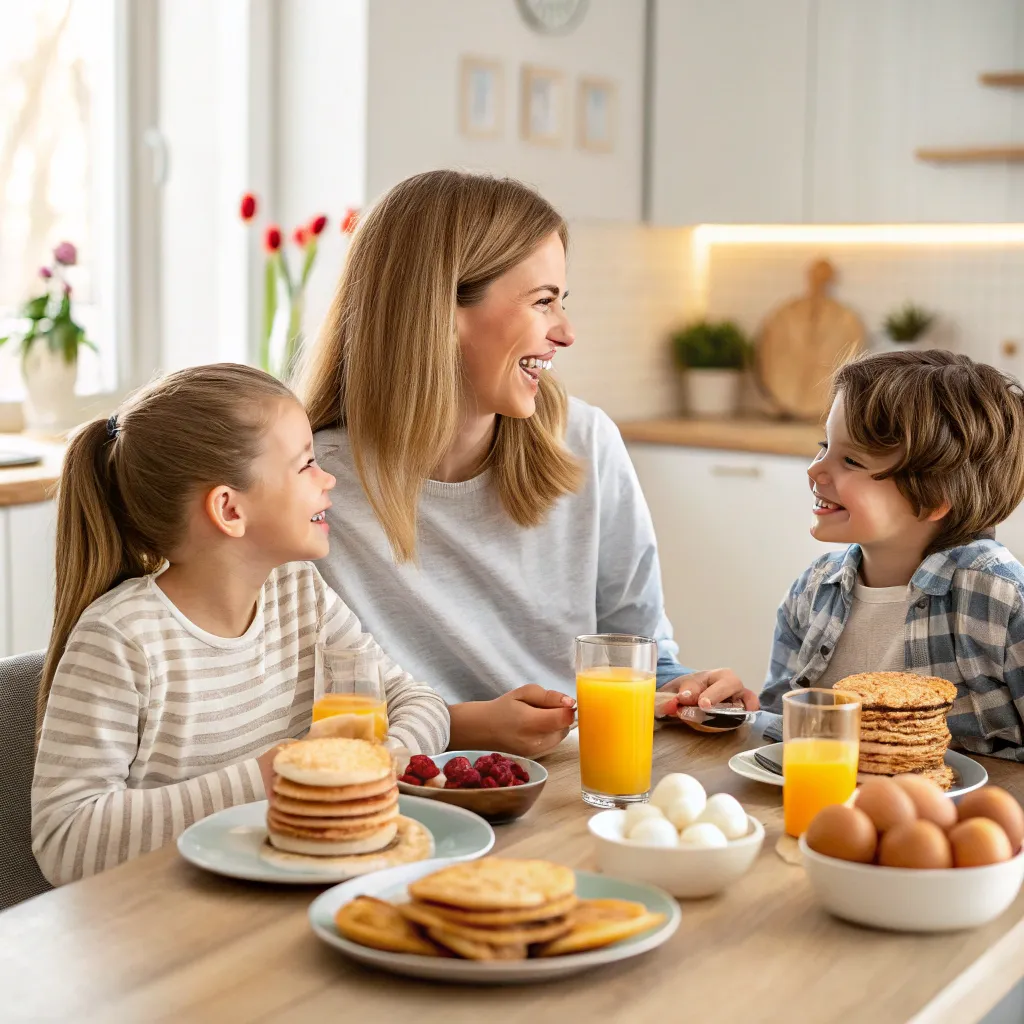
(851, 507)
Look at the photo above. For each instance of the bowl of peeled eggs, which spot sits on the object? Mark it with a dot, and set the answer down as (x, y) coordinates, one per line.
(902, 856)
(683, 841)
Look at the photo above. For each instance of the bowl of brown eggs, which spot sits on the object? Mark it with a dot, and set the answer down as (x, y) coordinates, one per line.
(902, 856)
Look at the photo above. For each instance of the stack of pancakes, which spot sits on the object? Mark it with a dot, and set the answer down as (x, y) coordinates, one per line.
(903, 723)
(333, 797)
(494, 909)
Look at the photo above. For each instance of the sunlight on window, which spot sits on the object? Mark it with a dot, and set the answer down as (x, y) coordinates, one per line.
(57, 167)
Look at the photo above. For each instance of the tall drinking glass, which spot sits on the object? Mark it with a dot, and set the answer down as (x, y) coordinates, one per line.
(821, 734)
(351, 683)
(615, 683)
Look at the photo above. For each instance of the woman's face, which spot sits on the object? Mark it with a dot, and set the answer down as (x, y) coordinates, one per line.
(511, 337)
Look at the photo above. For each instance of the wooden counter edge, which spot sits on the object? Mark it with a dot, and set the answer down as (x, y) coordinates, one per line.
(30, 485)
(766, 437)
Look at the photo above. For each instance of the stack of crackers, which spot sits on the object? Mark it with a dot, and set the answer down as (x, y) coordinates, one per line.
(494, 909)
(903, 723)
(336, 800)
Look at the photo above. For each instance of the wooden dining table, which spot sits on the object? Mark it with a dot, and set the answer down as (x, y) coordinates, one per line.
(159, 940)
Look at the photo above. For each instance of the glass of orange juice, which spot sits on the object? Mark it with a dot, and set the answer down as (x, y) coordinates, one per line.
(615, 683)
(351, 682)
(821, 734)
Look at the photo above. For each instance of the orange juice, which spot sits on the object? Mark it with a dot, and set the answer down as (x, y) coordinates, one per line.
(354, 704)
(616, 723)
(815, 773)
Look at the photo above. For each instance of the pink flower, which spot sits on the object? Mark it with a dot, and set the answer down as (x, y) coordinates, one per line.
(247, 208)
(66, 254)
(67, 290)
(317, 224)
(348, 224)
(45, 273)
(272, 238)
(301, 237)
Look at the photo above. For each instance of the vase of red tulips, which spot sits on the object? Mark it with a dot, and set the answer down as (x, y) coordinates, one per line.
(284, 286)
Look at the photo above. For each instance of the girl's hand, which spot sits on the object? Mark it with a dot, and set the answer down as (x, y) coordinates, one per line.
(712, 686)
(266, 763)
(529, 721)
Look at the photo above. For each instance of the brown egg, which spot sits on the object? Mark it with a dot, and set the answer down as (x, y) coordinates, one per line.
(917, 844)
(844, 833)
(997, 805)
(885, 803)
(979, 841)
(930, 802)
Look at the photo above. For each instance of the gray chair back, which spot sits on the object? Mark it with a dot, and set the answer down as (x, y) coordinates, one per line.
(20, 876)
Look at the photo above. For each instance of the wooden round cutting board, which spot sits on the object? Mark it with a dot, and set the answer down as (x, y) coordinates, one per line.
(801, 343)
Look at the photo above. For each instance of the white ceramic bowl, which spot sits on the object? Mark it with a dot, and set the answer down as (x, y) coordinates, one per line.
(682, 871)
(908, 900)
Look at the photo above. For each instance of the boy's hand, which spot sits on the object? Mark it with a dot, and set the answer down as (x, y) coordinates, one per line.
(529, 721)
(712, 686)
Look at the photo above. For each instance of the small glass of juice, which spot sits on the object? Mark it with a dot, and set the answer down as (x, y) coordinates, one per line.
(351, 682)
(615, 683)
(821, 734)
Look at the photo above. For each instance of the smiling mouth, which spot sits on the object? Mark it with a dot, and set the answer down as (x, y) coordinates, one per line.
(320, 517)
(821, 506)
(532, 367)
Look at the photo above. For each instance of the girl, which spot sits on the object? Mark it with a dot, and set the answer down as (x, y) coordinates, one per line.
(186, 616)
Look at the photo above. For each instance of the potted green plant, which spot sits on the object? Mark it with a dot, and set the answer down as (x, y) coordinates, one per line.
(904, 326)
(712, 357)
(50, 339)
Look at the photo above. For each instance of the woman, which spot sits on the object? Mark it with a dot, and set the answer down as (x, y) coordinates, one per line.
(486, 520)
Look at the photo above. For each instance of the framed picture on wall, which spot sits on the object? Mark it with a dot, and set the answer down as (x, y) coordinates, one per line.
(481, 98)
(542, 115)
(595, 115)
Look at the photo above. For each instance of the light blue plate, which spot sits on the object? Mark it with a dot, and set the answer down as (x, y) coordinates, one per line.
(392, 885)
(229, 842)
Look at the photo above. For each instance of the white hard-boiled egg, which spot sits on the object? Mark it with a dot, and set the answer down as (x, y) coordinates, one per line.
(654, 832)
(675, 786)
(703, 835)
(727, 814)
(686, 809)
(635, 813)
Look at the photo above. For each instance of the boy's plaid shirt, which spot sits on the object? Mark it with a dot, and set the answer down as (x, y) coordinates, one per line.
(965, 624)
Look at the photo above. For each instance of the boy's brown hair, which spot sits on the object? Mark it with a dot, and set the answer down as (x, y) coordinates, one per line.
(956, 428)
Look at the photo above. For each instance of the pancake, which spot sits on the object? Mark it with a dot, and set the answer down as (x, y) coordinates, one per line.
(277, 816)
(334, 794)
(495, 883)
(412, 843)
(326, 844)
(333, 761)
(898, 691)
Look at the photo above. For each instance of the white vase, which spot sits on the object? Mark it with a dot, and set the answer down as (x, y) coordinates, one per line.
(50, 404)
(712, 394)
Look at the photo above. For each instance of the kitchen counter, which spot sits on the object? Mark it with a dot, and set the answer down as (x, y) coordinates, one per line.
(769, 437)
(27, 485)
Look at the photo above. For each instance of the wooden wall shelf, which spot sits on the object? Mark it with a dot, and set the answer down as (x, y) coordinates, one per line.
(972, 155)
(1003, 79)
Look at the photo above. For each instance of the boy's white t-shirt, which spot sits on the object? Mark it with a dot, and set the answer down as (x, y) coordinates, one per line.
(873, 639)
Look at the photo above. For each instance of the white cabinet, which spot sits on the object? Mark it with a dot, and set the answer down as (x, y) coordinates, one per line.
(893, 76)
(729, 111)
(27, 546)
(733, 534)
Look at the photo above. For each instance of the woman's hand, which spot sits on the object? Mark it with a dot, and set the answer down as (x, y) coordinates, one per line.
(266, 763)
(712, 686)
(529, 721)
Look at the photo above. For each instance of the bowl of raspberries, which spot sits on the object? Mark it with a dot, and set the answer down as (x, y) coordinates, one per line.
(498, 787)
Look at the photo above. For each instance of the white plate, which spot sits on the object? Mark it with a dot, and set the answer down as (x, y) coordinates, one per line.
(391, 885)
(228, 842)
(971, 775)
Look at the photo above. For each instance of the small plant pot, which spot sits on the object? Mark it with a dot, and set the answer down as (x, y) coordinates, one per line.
(50, 404)
(712, 394)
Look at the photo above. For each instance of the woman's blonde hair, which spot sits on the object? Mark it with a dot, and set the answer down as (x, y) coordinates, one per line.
(127, 482)
(387, 365)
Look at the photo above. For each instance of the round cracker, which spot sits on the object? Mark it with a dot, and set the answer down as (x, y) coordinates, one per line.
(494, 883)
(508, 935)
(333, 794)
(470, 950)
(335, 824)
(600, 933)
(413, 842)
(485, 918)
(333, 761)
(347, 809)
(379, 925)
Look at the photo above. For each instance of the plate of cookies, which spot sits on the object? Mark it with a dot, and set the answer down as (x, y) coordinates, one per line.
(492, 921)
(335, 814)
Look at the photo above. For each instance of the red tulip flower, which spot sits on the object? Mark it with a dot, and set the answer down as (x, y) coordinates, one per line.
(272, 238)
(301, 237)
(348, 225)
(317, 224)
(45, 273)
(247, 208)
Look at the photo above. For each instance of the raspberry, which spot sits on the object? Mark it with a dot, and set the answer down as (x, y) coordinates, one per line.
(452, 784)
(483, 764)
(410, 779)
(519, 771)
(518, 782)
(488, 783)
(502, 774)
(470, 780)
(456, 766)
(422, 767)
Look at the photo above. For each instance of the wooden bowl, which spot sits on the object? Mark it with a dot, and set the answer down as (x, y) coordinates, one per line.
(494, 805)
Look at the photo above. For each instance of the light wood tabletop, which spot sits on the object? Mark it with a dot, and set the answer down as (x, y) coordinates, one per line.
(763, 436)
(27, 485)
(157, 939)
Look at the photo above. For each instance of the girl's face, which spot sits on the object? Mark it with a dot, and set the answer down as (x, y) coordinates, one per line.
(284, 509)
(511, 337)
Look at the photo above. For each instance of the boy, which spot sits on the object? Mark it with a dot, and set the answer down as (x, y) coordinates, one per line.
(924, 456)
